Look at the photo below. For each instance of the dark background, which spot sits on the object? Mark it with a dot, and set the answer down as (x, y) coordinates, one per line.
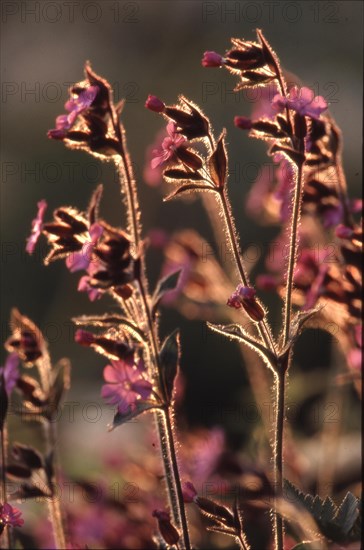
(154, 47)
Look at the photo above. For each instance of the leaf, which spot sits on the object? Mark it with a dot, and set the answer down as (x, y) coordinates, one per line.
(29, 456)
(111, 320)
(168, 283)
(27, 491)
(130, 413)
(169, 359)
(179, 174)
(218, 163)
(297, 326)
(336, 523)
(236, 332)
(216, 511)
(31, 391)
(17, 471)
(189, 187)
(347, 513)
(269, 54)
(93, 207)
(60, 384)
(293, 155)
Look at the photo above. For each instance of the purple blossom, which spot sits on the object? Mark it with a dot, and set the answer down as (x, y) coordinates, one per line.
(303, 101)
(125, 385)
(37, 225)
(169, 147)
(75, 106)
(10, 516)
(81, 260)
(10, 371)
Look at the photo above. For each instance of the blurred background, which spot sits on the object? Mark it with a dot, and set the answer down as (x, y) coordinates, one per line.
(155, 47)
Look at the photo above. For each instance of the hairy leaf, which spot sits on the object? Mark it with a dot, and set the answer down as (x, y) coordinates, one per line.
(236, 332)
(169, 359)
(168, 283)
(218, 163)
(139, 408)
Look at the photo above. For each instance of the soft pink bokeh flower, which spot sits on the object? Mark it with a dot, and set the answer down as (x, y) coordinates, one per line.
(37, 225)
(301, 100)
(10, 371)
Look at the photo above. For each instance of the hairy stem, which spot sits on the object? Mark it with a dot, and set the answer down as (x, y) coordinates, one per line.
(54, 504)
(296, 212)
(278, 454)
(163, 418)
(233, 242)
(166, 437)
(4, 496)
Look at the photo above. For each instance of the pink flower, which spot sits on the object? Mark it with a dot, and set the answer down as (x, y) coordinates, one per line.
(37, 225)
(75, 106)
(301, 100)
(125, 385)
(169, 147)
(212, 59)
(81, 260)
(153, 103)
(10, 516)
(10, 371)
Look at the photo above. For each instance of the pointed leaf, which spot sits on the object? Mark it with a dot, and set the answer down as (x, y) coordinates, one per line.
(189, 187)
(111, 320)
(93, 207)
(218, 163)
(169, 359)
(347, 513)
(236, 332)
(168, 283)
(29, 456)
(179, 174)
(139, 408)
(17, 471)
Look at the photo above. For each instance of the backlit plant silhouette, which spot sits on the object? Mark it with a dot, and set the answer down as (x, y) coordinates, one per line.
(308, 199)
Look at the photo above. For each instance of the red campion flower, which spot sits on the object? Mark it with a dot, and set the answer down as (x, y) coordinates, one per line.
(301, 100)
(10, 516)
(125, 385)
(169, 147)
(75, 106)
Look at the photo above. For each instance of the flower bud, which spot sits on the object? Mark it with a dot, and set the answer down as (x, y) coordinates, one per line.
(153, 103)
(243, 122)
(212, 59)
(167, 530)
